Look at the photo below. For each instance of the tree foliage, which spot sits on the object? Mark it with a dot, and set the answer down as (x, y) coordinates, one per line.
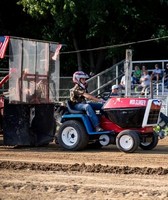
(85, 25)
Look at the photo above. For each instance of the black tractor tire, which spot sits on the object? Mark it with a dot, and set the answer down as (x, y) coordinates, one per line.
(151, 142)
(72, 136)
(128, 141)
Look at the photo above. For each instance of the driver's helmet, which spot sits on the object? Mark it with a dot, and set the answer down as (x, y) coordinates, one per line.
(77, 76)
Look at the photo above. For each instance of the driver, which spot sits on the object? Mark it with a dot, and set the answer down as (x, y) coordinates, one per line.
(79, 95)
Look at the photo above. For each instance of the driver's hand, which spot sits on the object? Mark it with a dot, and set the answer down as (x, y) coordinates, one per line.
(102, 101)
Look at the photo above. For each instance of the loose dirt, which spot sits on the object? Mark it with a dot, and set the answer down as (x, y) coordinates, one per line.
(106, 174)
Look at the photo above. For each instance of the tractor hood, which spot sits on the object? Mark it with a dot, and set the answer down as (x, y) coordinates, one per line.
(125, 103)
(133, 112)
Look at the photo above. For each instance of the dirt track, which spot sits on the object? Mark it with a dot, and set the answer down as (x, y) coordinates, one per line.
(50, 173)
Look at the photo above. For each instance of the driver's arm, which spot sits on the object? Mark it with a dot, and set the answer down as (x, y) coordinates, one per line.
(91, 97)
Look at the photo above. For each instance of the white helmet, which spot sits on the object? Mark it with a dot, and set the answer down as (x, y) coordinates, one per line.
(77, 76)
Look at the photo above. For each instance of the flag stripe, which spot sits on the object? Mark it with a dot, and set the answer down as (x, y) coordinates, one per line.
(4, 40)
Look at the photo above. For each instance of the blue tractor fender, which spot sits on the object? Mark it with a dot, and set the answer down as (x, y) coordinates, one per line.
(86, 122)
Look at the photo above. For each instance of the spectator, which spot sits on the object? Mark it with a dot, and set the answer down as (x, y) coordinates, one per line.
(122, 82)
(157, 73)
(143, 69)
(114, 90)
(166, 76)
(136, 75)
(144, 82)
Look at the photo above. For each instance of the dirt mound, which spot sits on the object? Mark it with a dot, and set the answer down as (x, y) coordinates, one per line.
(83, 168)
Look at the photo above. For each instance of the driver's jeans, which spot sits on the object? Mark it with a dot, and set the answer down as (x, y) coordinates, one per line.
(90, 108)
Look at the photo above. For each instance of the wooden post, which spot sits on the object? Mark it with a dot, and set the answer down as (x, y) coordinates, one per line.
(128, 72)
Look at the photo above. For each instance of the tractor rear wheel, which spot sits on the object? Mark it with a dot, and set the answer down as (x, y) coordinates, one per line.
(150, 143)
(72, 135)
(128, 141)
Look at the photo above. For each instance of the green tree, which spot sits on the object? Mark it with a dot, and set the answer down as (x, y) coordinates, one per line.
(82, 24)
(86, 25)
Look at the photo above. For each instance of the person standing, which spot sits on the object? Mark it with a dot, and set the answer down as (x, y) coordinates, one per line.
(79, 96)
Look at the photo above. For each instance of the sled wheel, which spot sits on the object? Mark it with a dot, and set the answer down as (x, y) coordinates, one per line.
(127, 141)
(151, 142)
(72, 135)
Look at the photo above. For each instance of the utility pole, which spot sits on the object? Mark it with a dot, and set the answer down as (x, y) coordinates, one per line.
(128, 72)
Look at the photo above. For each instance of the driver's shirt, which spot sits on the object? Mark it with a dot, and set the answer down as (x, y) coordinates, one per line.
(76, 94)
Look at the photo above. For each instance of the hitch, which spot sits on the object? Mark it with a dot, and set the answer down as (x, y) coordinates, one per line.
(163, 120)
(162, 134)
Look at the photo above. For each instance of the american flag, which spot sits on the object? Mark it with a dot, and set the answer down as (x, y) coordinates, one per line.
(57, 52)
(4, 40)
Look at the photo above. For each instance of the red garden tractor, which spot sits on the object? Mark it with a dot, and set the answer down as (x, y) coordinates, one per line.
(127, 122)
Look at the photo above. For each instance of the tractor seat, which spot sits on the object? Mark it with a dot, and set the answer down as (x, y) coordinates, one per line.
(71, 110)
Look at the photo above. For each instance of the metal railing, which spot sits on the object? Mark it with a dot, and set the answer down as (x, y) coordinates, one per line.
(97, 84)
(103, 81)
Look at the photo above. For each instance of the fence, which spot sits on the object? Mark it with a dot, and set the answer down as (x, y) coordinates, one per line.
(103, 81)
(97, 84)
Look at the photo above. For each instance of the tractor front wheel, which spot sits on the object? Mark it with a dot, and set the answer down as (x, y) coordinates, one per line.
(72, 135)
(150, 142)
(127, 141)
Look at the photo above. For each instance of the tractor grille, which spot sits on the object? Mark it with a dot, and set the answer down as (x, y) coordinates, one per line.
(153, 117)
